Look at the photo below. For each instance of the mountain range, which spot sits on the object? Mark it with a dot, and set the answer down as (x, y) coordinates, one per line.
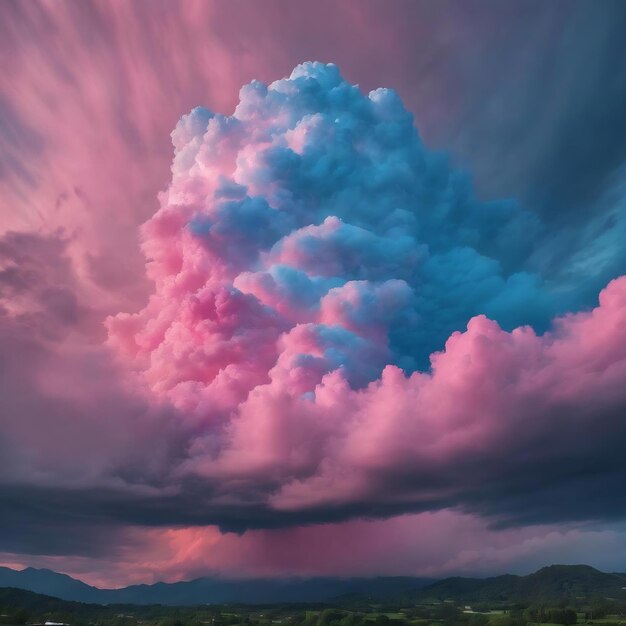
(552, 583)
(549, 584)
(211, 590)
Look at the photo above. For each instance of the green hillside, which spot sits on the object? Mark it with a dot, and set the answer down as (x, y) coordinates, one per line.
(550, 584)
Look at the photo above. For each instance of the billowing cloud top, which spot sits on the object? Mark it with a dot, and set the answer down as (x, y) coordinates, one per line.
(308, 256)
(316, 215)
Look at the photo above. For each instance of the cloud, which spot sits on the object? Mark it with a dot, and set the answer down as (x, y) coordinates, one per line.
(325, 293)
(313, 179)
(308, 257)
(71, 419)
(429, 544)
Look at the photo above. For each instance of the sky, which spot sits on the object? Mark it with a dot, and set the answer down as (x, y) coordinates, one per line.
(299, 289)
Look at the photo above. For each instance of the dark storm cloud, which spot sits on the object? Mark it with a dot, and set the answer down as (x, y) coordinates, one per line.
(540, 102)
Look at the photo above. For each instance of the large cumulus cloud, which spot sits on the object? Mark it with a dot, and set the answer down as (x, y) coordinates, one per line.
(86, 449)
(315, 203)
(308, 256)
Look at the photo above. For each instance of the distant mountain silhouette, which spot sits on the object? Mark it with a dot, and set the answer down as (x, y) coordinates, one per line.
(555, 582)
(549, 584)
(211, 590)
(50, 583)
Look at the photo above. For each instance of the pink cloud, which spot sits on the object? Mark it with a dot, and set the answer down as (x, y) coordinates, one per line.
(286, 367)
(274, 377)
